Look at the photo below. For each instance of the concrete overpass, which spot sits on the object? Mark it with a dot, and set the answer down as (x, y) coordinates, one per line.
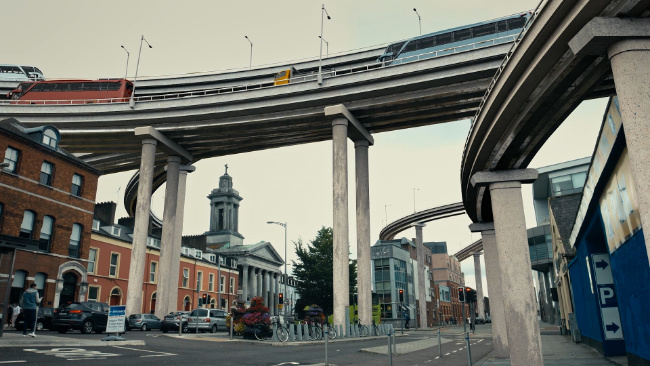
(575, 50)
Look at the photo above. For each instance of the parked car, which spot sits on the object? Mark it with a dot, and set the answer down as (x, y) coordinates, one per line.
(479, 320)
(171, 321)
(86, 316)
(43, 319)
(207, 320)
(144, 322)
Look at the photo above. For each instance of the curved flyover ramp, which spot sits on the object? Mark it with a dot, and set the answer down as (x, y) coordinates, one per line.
(541, 83)
(436, 213)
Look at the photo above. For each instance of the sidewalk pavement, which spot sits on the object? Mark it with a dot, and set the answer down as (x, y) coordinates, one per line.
(47, 339)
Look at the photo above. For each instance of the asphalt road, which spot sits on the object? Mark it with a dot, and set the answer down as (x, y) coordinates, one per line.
(210, 349)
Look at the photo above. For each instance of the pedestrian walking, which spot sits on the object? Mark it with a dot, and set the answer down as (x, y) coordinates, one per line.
(30, 301)
(407, 319)
(14, 314)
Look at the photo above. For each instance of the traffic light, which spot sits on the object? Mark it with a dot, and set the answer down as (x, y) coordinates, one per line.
(280, 298)
(209, 299)
(205, 299)
(223, 303)
(468, 294)
(474, 295)
(401, 295)
(461, 294)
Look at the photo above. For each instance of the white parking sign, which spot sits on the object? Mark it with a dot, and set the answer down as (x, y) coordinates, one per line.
(116, 319)
(611, 319)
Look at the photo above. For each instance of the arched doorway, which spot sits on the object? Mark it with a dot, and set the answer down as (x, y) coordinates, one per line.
(153, 303)
(69, 288)
(187, 304)
(116, 297)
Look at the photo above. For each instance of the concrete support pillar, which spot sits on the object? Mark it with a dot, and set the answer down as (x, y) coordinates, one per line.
(497, 313)
(422, 304)
(340, 223)
(165, 278)
(364, 278)
(632, 83)
(514, 263)
(178, 236)
(278, 290)
(479, 284)
(244, 283)
(260, 282)
(141, 225)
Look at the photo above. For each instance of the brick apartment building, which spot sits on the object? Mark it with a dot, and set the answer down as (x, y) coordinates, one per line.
(46, 200)
(449, 278)
(110, 258)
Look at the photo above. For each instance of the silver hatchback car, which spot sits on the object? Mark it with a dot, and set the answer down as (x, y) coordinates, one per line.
(207, 320)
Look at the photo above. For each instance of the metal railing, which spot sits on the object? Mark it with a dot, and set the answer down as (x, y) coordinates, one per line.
(294, 80)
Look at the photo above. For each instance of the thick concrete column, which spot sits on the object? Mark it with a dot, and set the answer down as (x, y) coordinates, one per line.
(277, 291)
(260, 283)
(364, 278)
(422, 304)
(140, 230)
(479, 284)
(497, 314)
(514, 262)
(340, 223)
(632, 82)
(253, 282)
(244, 283)
(165, 279)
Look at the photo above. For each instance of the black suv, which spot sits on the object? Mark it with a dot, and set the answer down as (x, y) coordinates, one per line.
(43, 319)
(85, 316)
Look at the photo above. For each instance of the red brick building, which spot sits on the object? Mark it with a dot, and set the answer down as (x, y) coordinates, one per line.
(110, 259)
(46, 198)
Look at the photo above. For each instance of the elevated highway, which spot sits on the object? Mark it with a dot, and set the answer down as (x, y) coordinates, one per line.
(541, 82)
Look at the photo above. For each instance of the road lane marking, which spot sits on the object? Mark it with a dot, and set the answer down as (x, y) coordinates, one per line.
(17, 361)
(158, 354)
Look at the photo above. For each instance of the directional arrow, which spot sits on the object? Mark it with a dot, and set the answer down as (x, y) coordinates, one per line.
(612, 327)
(602, 264)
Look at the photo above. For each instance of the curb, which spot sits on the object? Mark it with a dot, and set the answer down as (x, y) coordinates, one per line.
(69, 343)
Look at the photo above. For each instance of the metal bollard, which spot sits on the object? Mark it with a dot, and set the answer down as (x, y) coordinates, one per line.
(439, 343)
(305, 332)
(292, 332)
(390, 354)
(394, 341)
(299, 333)
(275, 333)
(326, 335)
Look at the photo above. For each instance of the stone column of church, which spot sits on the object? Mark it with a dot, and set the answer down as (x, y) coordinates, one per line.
(267, 288)
(260, 282)
(244, 282)
(254, 279)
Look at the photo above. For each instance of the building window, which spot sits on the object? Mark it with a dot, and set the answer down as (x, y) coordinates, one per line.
(92, 260)
(152, 272)
(11, 157)
(199, 280)
(186, 277)
(46, 234)
(75, 241)
(96, 224)
(27, 227)
(93, 293)
(232, 285)
(77, 181)
(115, 261)
(222, 284)
(211, 282)
(50, 137)
(115, 231)
(47, 170)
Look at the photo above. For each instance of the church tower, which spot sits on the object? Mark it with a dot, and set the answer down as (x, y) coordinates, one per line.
(224, 215)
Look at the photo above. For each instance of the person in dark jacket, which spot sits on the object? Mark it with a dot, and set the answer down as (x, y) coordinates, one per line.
(30, 301)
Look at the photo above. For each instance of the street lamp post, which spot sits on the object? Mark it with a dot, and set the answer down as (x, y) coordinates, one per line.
(127, 61)
(386, 213)
(419, 20)
(250, 63)
(414, 189)
(137, 66)
(286, 277)
(327, 44)
(320, 57)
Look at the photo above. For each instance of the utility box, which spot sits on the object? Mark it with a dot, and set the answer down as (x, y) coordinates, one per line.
(573, 328)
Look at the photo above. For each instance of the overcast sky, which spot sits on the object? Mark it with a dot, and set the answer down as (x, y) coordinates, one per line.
(413, 169)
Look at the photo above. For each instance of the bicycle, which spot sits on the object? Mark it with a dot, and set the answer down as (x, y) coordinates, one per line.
(281, 331)
(363, 329)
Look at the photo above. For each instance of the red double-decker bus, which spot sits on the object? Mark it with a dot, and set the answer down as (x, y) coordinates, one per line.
(76, 92)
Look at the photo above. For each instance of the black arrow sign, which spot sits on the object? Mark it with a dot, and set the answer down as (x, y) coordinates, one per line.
(612, 327)
(602, 264)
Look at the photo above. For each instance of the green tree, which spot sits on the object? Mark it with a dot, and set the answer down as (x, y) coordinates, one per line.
(314, 270)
